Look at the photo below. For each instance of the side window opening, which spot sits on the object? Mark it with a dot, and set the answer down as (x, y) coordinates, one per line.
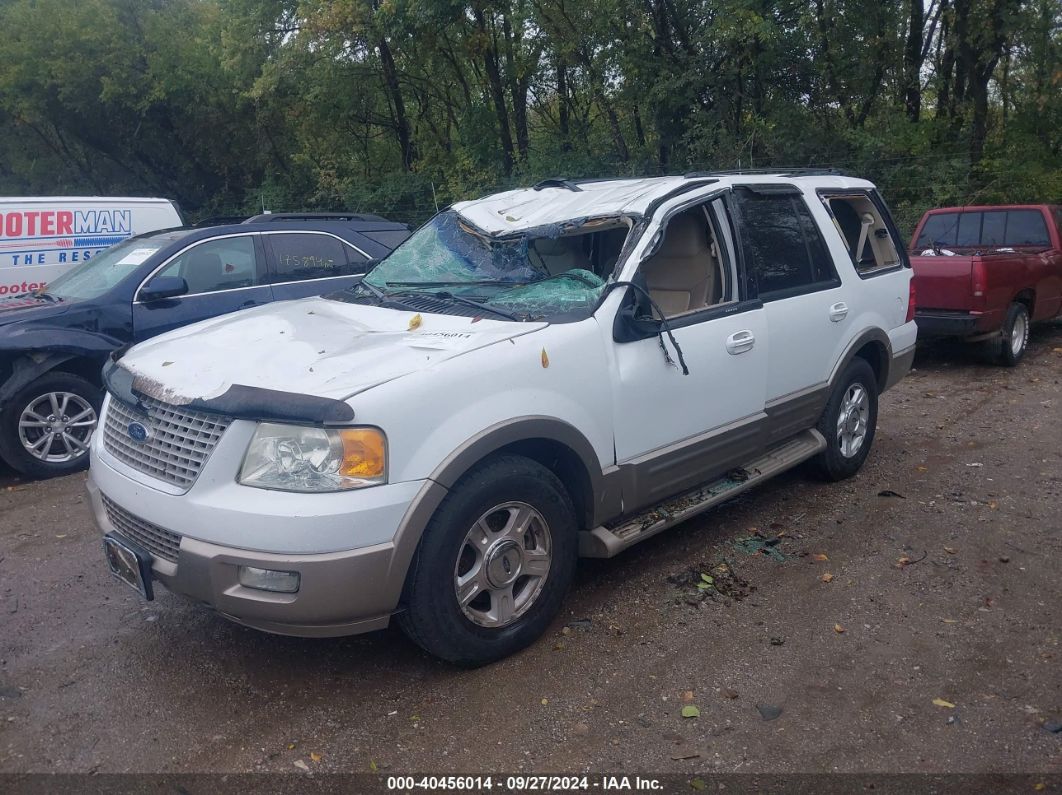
(864, 232)
(688, 272)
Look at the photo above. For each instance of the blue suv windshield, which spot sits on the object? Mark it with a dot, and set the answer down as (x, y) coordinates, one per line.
(93, 278)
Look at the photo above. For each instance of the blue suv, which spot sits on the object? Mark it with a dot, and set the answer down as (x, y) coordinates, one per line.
(53, 342)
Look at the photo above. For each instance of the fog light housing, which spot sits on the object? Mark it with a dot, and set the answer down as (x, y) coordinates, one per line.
(269, 580)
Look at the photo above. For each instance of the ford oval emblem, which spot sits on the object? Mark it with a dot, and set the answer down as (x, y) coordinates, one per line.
(138, 432)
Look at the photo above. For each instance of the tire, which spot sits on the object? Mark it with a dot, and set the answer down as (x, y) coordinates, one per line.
(500, 494)
(849, 421)
(1009, 349)
(25, 421)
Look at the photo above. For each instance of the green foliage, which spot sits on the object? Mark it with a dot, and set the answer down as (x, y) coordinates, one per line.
(399, 106)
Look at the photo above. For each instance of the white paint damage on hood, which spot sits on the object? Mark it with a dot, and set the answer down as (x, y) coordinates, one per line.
(312, 346)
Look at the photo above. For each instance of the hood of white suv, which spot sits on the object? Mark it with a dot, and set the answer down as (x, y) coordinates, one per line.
(313, 347)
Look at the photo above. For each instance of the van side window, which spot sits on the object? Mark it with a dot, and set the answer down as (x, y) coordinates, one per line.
(866, 236)
(298, 257)
(225, 264)
(784, 250)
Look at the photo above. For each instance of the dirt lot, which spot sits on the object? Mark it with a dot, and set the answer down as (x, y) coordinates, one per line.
(950, 591)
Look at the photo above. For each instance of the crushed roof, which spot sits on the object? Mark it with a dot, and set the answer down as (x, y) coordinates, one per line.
(526, 208)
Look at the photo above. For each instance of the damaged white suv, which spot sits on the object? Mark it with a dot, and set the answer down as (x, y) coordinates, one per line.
(537, 375)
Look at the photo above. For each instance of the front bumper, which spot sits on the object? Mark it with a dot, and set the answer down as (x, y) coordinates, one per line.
(342, 592)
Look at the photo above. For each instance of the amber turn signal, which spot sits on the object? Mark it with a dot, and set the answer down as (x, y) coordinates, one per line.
(364, 453)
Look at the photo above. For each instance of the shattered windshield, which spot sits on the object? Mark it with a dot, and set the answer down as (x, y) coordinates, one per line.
(548, 271)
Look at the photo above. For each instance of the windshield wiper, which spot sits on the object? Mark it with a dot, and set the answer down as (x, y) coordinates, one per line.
(375, 291)
(51, 299)
(382, 298)
(460, 299)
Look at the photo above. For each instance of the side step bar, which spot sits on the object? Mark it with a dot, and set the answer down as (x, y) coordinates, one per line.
(605, 541)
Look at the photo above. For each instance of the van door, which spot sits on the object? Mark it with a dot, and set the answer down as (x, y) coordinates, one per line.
(224, 274)
(675, 431)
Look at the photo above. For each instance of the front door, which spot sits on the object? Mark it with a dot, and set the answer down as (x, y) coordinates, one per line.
(223, 275)
(675, 431)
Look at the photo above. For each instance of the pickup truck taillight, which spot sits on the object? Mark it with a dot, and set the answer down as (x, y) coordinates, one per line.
(979, 277)
(910, 302)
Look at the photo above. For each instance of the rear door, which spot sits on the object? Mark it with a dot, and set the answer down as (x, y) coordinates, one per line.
(807, 315)
(303, 264)
(224, 274)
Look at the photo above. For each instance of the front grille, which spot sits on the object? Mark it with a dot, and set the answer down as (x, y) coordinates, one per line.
(179, 440)
(159, 542)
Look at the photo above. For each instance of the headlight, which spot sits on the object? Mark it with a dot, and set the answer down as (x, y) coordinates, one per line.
(295, 458)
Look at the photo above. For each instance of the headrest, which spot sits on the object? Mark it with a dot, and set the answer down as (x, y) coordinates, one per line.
(686, 236)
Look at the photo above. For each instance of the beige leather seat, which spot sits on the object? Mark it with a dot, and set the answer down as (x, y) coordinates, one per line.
(559, 255)
(681, 275)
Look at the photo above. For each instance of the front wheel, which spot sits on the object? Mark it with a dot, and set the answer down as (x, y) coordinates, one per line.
(494, 564)
(45, 428)
(849, 421)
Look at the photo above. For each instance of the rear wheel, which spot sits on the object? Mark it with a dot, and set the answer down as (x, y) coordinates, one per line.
(849, 421)
(45, 428)
(494, 564)
(1010, 348)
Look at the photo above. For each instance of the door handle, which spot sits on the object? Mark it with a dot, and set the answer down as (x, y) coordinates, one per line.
(838, 311)
(739, 342)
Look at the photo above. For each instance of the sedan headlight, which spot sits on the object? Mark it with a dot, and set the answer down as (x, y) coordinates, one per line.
(297, 458)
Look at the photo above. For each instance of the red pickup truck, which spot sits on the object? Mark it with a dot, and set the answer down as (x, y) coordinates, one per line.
(986, 273)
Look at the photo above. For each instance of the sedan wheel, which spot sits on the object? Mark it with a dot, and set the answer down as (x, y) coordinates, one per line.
(56, 427)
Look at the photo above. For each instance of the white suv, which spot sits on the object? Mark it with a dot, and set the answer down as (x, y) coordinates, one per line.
(537, 375)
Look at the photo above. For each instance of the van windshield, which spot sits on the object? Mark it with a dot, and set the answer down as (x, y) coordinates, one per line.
(96, 276)
(544, 272)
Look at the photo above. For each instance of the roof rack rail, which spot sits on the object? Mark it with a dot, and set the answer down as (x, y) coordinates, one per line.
(219, 220)
(557, 182)
(313, 217)
(781, 172)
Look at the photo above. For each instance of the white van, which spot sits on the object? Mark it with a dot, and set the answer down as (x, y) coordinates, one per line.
(42, 237)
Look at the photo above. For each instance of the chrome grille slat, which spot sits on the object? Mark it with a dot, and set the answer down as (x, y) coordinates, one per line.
(180, 442)
(157, 540)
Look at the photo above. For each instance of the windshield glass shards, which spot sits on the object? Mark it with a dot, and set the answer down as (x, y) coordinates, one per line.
(543, 272)
(446, 250)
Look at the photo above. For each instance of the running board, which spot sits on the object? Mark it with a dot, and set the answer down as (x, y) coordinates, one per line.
(605, 542)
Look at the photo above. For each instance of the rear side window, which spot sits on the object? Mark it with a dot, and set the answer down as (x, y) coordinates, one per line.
(299, 257)
(783, 248)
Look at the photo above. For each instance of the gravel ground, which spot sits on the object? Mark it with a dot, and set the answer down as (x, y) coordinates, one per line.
(912, 633)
